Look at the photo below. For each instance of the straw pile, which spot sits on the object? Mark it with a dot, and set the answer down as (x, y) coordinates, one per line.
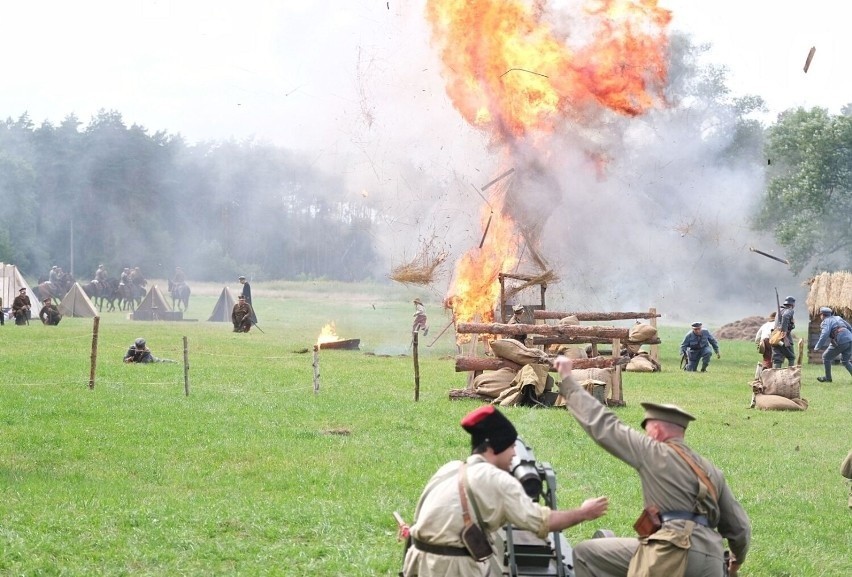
(423, 269)
(831, 289)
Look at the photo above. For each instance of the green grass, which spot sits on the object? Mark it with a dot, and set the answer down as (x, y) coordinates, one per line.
(254, 474)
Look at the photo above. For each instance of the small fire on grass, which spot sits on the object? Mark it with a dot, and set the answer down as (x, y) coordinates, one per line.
(328, 334)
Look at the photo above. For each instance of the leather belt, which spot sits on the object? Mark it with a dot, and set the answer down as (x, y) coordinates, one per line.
(440, 549)
(686, 516)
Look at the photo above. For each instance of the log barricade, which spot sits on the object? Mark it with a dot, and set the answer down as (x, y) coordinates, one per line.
(493, 364)
(547, 334)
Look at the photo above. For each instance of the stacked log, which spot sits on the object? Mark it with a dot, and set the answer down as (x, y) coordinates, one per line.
(494, 364)
(590, 316)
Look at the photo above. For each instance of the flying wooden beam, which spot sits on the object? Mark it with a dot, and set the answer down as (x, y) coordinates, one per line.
(766, 254)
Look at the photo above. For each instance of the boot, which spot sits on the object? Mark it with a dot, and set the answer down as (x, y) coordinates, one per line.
(824, 379)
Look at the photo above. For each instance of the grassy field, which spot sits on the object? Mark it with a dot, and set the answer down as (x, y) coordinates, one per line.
(254, 474)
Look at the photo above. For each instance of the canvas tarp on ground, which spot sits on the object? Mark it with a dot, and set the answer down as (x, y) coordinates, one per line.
(224, 307)
(12, 281)
(77, 303)
(153, 307)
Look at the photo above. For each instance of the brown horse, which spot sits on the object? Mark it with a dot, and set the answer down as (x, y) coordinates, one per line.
(180, 295)
(55, 290)
(102, 291)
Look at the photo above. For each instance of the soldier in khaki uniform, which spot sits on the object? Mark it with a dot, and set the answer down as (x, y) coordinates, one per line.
(436, 545)
(241, 316)
(668, 482)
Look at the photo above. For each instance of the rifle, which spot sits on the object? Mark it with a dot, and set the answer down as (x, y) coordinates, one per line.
(778, 305)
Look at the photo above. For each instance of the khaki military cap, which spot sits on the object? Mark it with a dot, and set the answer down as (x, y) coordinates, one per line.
(668, 413)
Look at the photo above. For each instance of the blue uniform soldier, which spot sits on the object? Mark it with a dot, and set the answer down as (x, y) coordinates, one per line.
(784, 349)
(838, 333)
(698, 344)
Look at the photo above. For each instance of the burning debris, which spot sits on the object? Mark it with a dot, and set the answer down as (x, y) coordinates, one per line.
(423, 269)
(328, 339)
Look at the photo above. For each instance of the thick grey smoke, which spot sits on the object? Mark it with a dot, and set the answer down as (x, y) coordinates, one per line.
(630, 212)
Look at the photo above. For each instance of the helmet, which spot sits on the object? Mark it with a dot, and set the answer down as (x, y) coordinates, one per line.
(140, 342)
(789, 301)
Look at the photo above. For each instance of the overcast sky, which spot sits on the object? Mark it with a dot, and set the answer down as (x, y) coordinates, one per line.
(311, 74)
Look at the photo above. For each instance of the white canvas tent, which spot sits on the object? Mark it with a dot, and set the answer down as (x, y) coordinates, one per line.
(153, 307)
(12, 281)
(224, 307)
(77, 303)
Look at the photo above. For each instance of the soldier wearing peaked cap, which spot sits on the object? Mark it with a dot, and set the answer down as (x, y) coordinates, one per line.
(785, 322)
(837, 333)
(697, 508)
(698, 345)
(436, 547)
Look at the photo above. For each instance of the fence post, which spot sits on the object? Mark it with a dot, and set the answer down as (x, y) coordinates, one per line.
(94, 359)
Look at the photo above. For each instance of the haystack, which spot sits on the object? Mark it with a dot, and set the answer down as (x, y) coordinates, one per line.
(831, 289)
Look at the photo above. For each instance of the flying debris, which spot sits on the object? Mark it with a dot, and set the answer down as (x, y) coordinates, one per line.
(766, 254)
(810, 57)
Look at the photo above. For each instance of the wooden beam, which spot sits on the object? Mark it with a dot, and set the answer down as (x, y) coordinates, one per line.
(593, 316)
(492, 364)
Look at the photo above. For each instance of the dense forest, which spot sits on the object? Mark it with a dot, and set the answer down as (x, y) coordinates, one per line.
(77, 196)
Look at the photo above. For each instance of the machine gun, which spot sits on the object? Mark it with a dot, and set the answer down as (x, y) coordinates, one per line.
(525, 553)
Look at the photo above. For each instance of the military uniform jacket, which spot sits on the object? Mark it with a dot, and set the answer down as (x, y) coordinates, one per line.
(699, 342)
(20, 302)
(834, 328)
(500, 498)
(240, 311)
(786, 324)
(667, 480)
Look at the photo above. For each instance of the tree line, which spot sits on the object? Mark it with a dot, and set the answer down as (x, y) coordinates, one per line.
(119, 195)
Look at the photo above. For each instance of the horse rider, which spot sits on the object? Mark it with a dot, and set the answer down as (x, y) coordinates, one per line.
(124, 279)
(180, 277)
(100, 274)
(137, 281)
(53, 276)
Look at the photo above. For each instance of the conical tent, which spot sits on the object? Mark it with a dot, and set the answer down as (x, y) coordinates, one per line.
(77, 303)
(12, 281)
(224, 306)
(153, 307)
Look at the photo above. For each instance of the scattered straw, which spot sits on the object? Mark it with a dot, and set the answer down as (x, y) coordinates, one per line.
(423, 269)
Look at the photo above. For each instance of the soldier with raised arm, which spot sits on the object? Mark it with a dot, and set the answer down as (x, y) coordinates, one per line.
(697, 509)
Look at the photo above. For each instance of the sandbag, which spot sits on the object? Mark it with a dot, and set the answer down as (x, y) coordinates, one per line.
(570, 351)
(642, 363)
(846, 467)
(518, 353)
(491, 383)
(779, 403)
(641, 333)
(606, 376)
(786, 382)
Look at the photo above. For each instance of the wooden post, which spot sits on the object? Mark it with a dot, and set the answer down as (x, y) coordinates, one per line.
(616, 381)
(316, 369)
(655, 349)
(94, 358)
(416, 368)
(185, 367)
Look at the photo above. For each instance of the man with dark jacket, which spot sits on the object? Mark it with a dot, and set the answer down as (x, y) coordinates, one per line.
(784, 349)
(21, 307)
(241, 316)
(49, 314)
